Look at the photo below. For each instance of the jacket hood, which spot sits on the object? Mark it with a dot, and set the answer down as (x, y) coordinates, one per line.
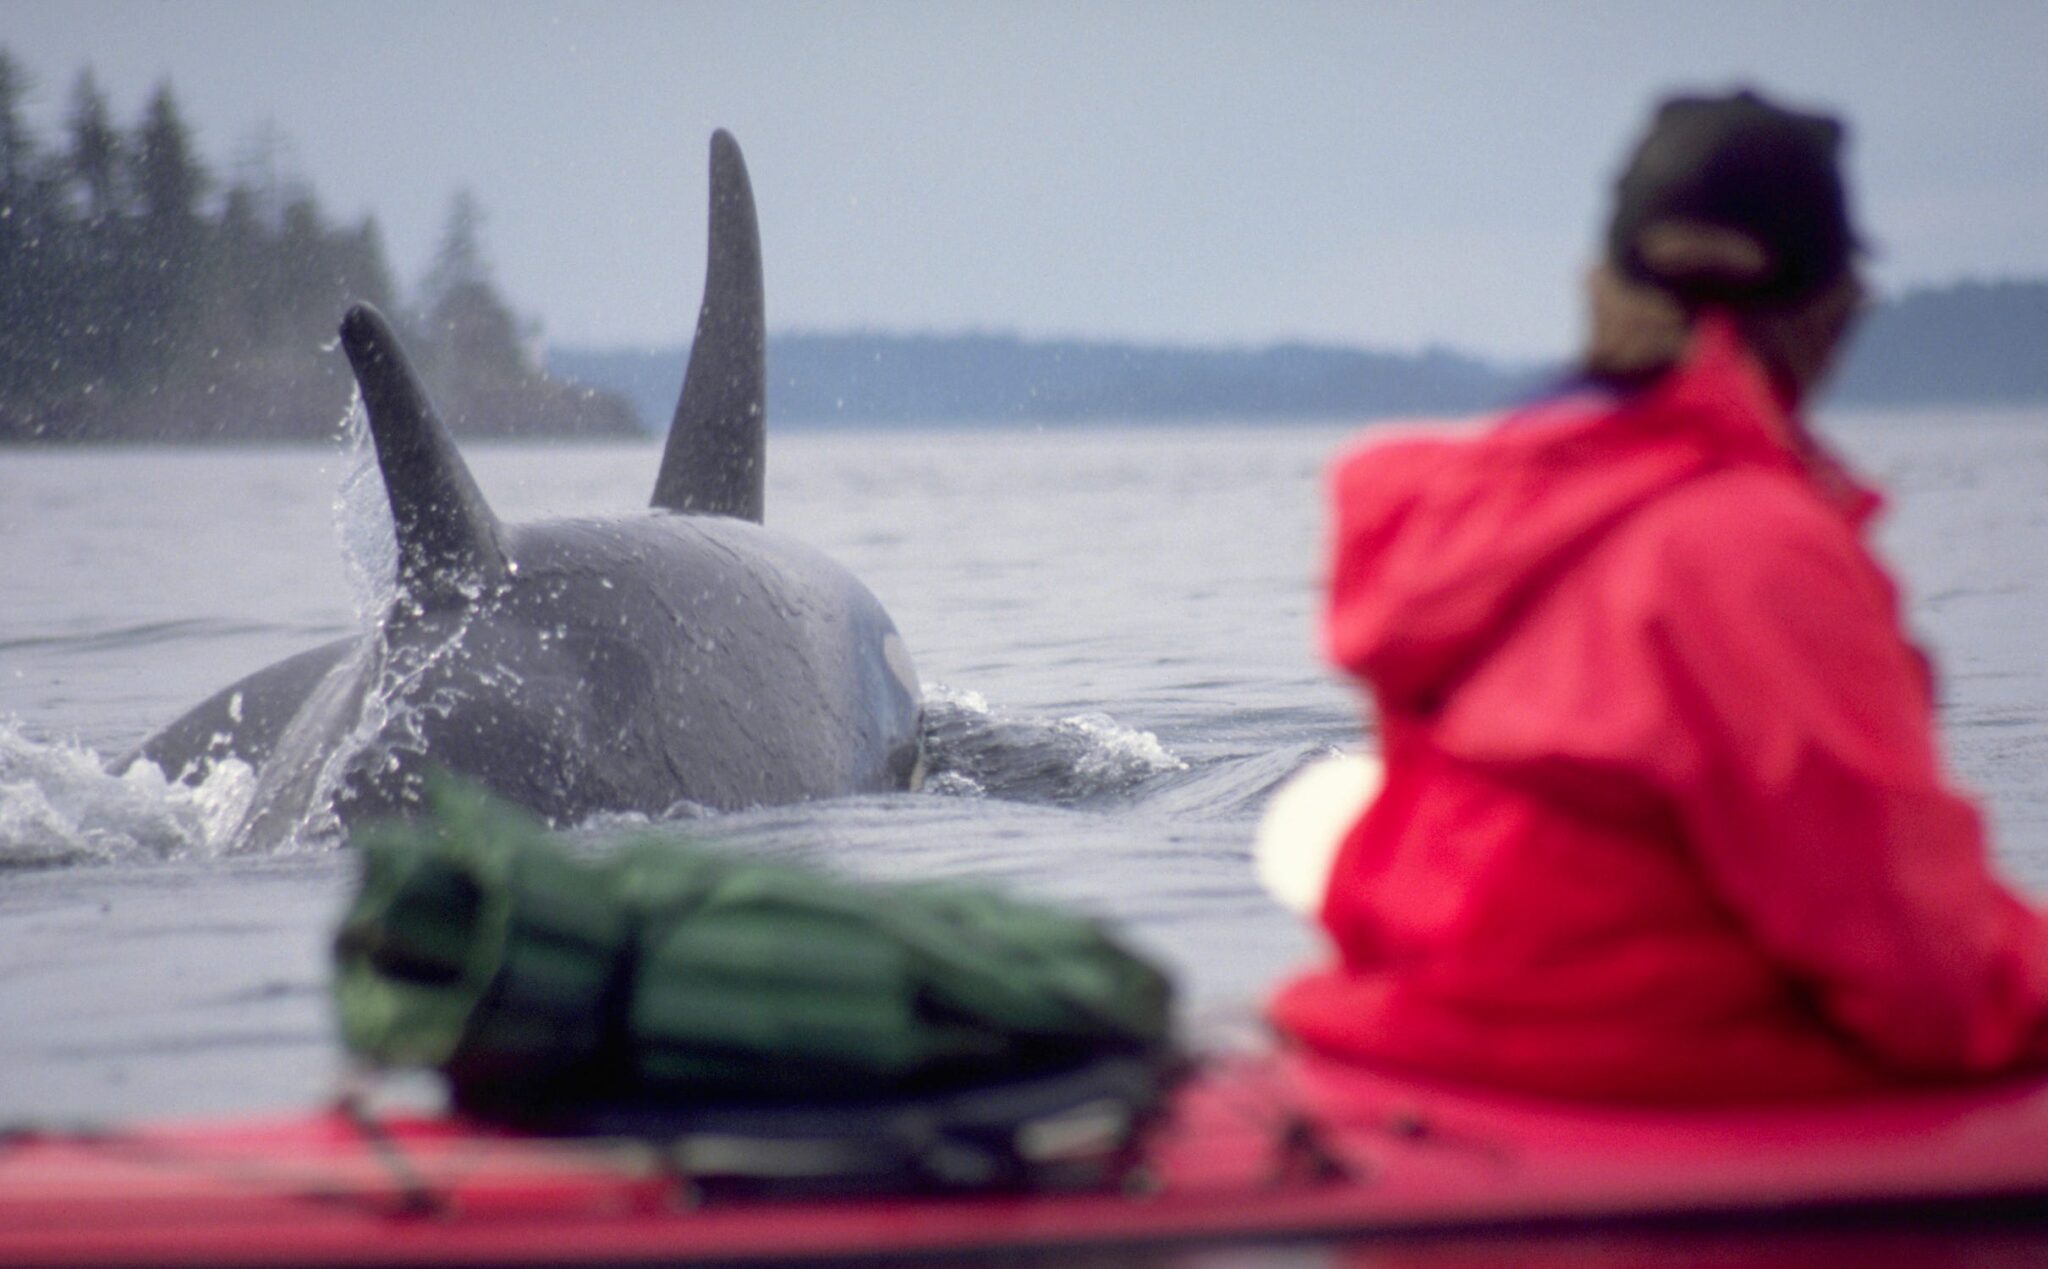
(1443, 543)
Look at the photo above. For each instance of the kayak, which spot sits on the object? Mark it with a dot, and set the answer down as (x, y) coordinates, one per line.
(1251, 1148)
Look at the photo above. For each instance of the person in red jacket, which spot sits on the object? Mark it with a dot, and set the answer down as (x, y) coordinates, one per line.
(1663, 817)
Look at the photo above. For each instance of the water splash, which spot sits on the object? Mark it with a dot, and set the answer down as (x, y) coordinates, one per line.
(977, 750)
(362, 518)
(292, 805)
(58, 805)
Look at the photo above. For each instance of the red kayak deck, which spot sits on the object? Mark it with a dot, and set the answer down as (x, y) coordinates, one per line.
(1280, 1146)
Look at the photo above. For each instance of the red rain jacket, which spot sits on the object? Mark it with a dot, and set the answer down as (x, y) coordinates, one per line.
(1664, 817)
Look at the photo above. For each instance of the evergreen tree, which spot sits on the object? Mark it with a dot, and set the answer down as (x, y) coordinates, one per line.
(169, 182)
(168, 238)
(459, 257)
(306, 280)
(17, 144)
(242, 299)
(96, 157)
(475, 356)
(471, 335)
(251, 265)
(24, 278)
(130, 305)
(86, 305)
(365, 275)
(264, 167)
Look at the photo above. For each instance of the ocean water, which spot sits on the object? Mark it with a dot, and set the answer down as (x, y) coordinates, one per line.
(1113, 627)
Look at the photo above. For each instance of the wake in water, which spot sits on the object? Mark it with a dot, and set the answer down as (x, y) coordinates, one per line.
(291, 804)
(974, 750)
(59, 805)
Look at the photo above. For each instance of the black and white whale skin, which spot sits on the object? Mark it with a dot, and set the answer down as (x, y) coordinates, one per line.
(680, 656)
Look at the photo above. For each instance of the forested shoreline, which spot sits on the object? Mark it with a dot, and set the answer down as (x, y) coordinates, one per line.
(143, 296)
(1964, 345)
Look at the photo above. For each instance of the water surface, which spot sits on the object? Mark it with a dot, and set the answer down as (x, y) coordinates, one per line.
(1113, 627)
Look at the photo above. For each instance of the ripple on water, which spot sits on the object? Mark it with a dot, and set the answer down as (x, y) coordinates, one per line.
(59, 805)
(975, 749)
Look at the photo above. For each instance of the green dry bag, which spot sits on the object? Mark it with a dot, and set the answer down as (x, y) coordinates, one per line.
(479, 946)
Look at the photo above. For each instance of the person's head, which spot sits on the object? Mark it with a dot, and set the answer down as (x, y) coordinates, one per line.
(1736, 203)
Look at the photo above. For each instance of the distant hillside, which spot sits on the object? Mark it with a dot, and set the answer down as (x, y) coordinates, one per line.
(141, 298)
(870, 378)
(1973, 343)
(1967, 344)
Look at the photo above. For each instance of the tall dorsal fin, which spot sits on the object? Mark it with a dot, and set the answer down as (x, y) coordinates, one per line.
(713, 463)
(448, 547)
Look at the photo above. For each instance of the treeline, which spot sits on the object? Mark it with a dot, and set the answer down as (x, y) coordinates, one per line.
(1967, 344)
(143, 297)
(816, 377)
(822, 379)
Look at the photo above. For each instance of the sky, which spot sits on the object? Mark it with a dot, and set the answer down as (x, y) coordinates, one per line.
(1392, 175)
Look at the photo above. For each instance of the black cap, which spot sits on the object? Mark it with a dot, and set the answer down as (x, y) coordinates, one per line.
(1739, 163)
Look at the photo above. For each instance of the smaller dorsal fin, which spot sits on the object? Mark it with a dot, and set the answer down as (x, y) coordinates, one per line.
(713, 462)
(448, 545)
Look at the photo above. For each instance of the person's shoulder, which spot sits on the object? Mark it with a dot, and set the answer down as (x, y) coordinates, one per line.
(1746, 504)
(1404, 442)
(1390, 467)
(1760, 532)
(1408, 449)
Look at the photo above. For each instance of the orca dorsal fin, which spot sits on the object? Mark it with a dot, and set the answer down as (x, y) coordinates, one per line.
(713, 464)
(448, 544)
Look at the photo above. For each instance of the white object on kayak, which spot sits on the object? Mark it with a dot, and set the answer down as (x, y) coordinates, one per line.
(1307, 821)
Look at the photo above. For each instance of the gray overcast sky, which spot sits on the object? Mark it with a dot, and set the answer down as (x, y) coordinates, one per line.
(1389, 174)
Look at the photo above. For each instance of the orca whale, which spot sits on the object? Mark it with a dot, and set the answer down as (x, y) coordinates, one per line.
(684, 656)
